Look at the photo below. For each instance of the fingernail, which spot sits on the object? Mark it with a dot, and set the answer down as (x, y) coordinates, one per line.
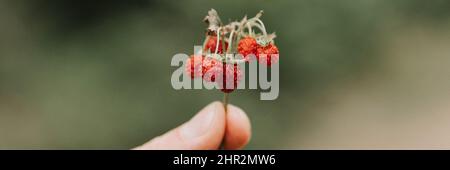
(200, 123)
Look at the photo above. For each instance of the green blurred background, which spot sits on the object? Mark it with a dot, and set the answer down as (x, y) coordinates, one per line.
(96, 74)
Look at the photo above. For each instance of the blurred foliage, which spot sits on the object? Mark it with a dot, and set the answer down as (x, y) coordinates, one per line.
(96, 74)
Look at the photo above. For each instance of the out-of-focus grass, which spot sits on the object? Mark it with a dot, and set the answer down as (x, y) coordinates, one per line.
(81, 74)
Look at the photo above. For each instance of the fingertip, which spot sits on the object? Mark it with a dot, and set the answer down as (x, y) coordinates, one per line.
(204, 131)
(238, 128)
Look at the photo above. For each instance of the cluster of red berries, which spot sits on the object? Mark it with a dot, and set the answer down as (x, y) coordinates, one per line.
(265, 54)
(226, 75)
(213, 65)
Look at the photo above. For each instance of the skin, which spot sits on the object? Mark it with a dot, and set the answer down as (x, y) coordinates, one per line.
(206, 131)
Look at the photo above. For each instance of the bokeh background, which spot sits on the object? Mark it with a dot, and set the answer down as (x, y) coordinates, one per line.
(370, 74)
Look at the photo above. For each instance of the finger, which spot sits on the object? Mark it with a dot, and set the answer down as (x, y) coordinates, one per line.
(204, 131)
(238, 128)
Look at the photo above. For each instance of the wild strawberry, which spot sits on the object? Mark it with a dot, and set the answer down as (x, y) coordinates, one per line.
(264, 54)
(211, 67)
(229, 77)
(211, 45)
(194, 66)
(246, 46)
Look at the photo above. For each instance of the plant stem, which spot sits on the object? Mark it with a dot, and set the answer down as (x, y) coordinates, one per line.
(230, 42)
(218, 40)
(262, 25)
(225, 101)
(223, 46)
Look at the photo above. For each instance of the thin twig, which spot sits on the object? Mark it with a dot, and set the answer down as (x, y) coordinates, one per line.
(225, 101)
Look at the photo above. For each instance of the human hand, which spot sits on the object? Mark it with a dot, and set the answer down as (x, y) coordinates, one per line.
(206, 130)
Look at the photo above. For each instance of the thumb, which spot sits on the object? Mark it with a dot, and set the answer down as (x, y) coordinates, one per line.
(204, 131)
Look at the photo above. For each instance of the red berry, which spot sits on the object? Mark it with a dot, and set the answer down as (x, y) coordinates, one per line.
(211, 45)
(229, 77)
(211, 67)
(264, 54)
(246, 46)
(194, 66)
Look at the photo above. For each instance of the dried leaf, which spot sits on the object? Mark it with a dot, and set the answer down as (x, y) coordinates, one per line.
(213, 21)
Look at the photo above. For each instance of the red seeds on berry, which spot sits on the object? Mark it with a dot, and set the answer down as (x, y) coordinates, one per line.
(212, 43)
(267, 55)
(229, 77)
(211, 67)
(246, 46)
(194, 66)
